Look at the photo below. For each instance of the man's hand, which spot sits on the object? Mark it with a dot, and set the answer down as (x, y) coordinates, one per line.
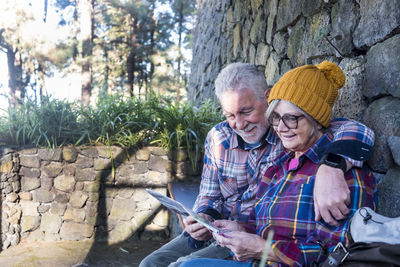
(196, 230)
(331, 195)
(228, 225)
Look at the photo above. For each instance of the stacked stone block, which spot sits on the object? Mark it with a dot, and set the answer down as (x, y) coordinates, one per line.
(10, 209)
(82, 193)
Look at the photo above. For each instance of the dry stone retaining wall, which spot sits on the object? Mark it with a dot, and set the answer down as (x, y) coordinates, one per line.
(362, 36)
(78, 193)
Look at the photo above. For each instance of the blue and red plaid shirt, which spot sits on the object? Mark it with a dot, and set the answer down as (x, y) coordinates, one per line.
(285, 205)
(232, 170)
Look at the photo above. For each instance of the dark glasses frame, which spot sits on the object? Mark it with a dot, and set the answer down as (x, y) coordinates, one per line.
(290, 121)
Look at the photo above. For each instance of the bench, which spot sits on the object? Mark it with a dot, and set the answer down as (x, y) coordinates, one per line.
(185, 193)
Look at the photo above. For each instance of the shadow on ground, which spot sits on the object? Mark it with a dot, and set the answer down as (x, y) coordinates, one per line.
(126, 254)
(129, 252)
(77, 254)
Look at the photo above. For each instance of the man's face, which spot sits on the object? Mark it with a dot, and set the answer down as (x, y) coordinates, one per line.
(245, 114)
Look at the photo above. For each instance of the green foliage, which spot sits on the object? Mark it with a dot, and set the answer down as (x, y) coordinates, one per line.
(185, 126)
(52, 123)
(129, 34)
(114, 120)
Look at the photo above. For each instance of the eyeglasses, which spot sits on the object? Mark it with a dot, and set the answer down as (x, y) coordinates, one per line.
(291, 121)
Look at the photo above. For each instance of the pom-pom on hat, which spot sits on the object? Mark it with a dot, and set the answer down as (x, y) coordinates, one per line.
(314, 89)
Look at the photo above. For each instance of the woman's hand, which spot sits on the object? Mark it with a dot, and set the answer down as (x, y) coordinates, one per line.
(244, 245)
(196, 230)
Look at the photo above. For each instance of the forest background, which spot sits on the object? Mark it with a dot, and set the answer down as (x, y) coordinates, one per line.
(132, 47)
(128, 59)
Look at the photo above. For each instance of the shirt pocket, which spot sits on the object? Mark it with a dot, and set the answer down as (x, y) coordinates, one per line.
(305, 208)
(229, 188)
(298, 188)
(307, 188)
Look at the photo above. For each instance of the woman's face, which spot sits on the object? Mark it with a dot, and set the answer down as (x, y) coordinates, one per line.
(302, 137)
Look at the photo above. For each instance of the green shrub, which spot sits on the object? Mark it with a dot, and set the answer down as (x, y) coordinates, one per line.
(114, 120)
(52, 123)
(185, 126)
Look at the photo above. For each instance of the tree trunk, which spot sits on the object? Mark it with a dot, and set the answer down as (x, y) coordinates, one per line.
(15, 82)
(40, 81)
(130, 62)
(106, 71)
(75, 16)
(46, 2)
(152, 44)
(180, 31)
(130, 69)
(86, 25)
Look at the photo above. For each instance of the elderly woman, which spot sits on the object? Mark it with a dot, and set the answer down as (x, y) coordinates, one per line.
(300, 106)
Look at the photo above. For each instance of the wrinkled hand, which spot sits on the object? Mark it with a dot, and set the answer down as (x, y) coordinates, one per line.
(244, 245)
(331, 195)
(228, 225)
(196, 230)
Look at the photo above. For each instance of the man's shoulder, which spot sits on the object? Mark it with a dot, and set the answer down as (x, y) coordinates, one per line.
(221, 131)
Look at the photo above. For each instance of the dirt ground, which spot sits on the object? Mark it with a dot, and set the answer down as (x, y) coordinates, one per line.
(77, 254)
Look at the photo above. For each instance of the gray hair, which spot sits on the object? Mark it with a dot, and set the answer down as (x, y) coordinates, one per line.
(314, 123)
(240, 76)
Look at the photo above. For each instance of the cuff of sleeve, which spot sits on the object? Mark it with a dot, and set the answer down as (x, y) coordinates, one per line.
(353, 150)
(355, 163)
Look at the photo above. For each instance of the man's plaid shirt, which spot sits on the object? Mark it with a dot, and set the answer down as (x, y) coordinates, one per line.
(232, 170)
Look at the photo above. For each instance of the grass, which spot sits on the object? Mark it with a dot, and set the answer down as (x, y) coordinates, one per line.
(113, 120)
(185, 126)
(116, 120)
(51, 124)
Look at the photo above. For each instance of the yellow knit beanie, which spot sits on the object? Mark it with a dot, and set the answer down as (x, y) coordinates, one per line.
(312, 88)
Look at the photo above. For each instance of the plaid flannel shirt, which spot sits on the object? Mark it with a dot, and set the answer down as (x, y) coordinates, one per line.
(232, 170)
(285, 204)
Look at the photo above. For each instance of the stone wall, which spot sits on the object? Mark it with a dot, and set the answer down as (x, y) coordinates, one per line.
(79, 193)
(362, 36)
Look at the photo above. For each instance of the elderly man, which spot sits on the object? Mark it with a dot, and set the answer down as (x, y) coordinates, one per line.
(284, 201)
(240, 149)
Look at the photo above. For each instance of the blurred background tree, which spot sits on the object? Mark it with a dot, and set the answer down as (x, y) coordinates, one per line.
(111, 46)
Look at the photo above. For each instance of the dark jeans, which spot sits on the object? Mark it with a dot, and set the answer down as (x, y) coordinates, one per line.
(214, 263)
(177, 251)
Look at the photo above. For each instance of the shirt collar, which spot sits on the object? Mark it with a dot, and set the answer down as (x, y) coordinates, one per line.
(312, 153)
